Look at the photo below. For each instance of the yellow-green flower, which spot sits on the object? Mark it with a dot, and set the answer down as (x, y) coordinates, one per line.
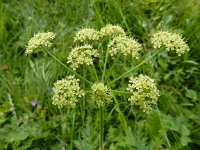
(81, 55)
(112, 30)
(144, 92)
(125, 45)
(86, 34)
(101, 94)
(67, 92)
(39, 39)
(171, 41)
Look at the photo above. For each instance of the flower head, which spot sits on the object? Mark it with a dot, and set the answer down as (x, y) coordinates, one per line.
(171, 41)
(112, 30)
(144, 92)
(66, 92)
(34, 102)
(86, 34)
(38, 40)
(82, 55)
(101, 94)
(125, 45)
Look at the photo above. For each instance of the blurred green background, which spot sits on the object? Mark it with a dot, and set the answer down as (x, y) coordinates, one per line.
(25, 78)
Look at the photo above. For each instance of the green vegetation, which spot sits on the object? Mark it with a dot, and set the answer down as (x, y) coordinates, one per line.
(174, 123)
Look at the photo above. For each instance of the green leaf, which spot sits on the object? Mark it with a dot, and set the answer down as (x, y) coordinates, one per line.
(185, 140)
(191, 94)
(163, 63)
(131, 137)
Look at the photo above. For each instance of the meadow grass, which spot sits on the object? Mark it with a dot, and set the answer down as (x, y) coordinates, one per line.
(173, 124)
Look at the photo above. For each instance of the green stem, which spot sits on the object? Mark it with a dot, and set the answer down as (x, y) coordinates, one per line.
(110, 70)
(95, 72)
(72, 134)
(66, 66)
(126, 73)
(83, 102)
(102, 127)
(122, 116)
(104, 68)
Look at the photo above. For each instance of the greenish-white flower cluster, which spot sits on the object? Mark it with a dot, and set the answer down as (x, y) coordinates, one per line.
(101, 94)
(86, 34)
(112, 30)
(171, 41)
(81, 55)
(39, 39)
(125, 45)
(67, 92)
(144, 92)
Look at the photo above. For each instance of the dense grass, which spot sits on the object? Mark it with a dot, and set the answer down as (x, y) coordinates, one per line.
(174, 125)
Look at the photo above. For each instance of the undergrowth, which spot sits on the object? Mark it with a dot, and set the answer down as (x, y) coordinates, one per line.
(175, 124)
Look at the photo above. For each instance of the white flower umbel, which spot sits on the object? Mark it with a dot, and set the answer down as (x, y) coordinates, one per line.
(86, 34)
(67, 92)
(171, 41)
(39, 39)
(144, 92)
(101, 94)
(125, 45)
(112, 30)
(81, 55)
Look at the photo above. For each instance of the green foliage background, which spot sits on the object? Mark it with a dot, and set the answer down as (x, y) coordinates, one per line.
(175, 126)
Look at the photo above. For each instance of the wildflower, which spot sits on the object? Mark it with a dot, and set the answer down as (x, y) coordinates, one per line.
(12, 106)
(66, 92)
(171, 41)
(38, 40)
(82, 55)
(125, 45)
(101, 94)
(86, 34)
(34, 102)
(144, 92)
(112, 30)
(49, 89)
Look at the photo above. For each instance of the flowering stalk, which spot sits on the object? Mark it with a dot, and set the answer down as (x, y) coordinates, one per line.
(104, 68)
(72, 134)
(126, 73)
(102, 127)
(66, 66)
(113, 65)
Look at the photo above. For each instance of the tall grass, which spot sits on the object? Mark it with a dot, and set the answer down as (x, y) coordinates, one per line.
(175, 124)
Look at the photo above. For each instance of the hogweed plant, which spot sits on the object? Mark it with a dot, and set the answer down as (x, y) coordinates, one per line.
(98, 53)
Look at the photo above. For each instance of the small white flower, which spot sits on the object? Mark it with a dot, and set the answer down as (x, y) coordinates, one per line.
(38, 40)
(171, 41)
(112, 30)
(101, 94)
(144, 92)
(125, 45)
(86, 34)
(81, 55)
(66, 92)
